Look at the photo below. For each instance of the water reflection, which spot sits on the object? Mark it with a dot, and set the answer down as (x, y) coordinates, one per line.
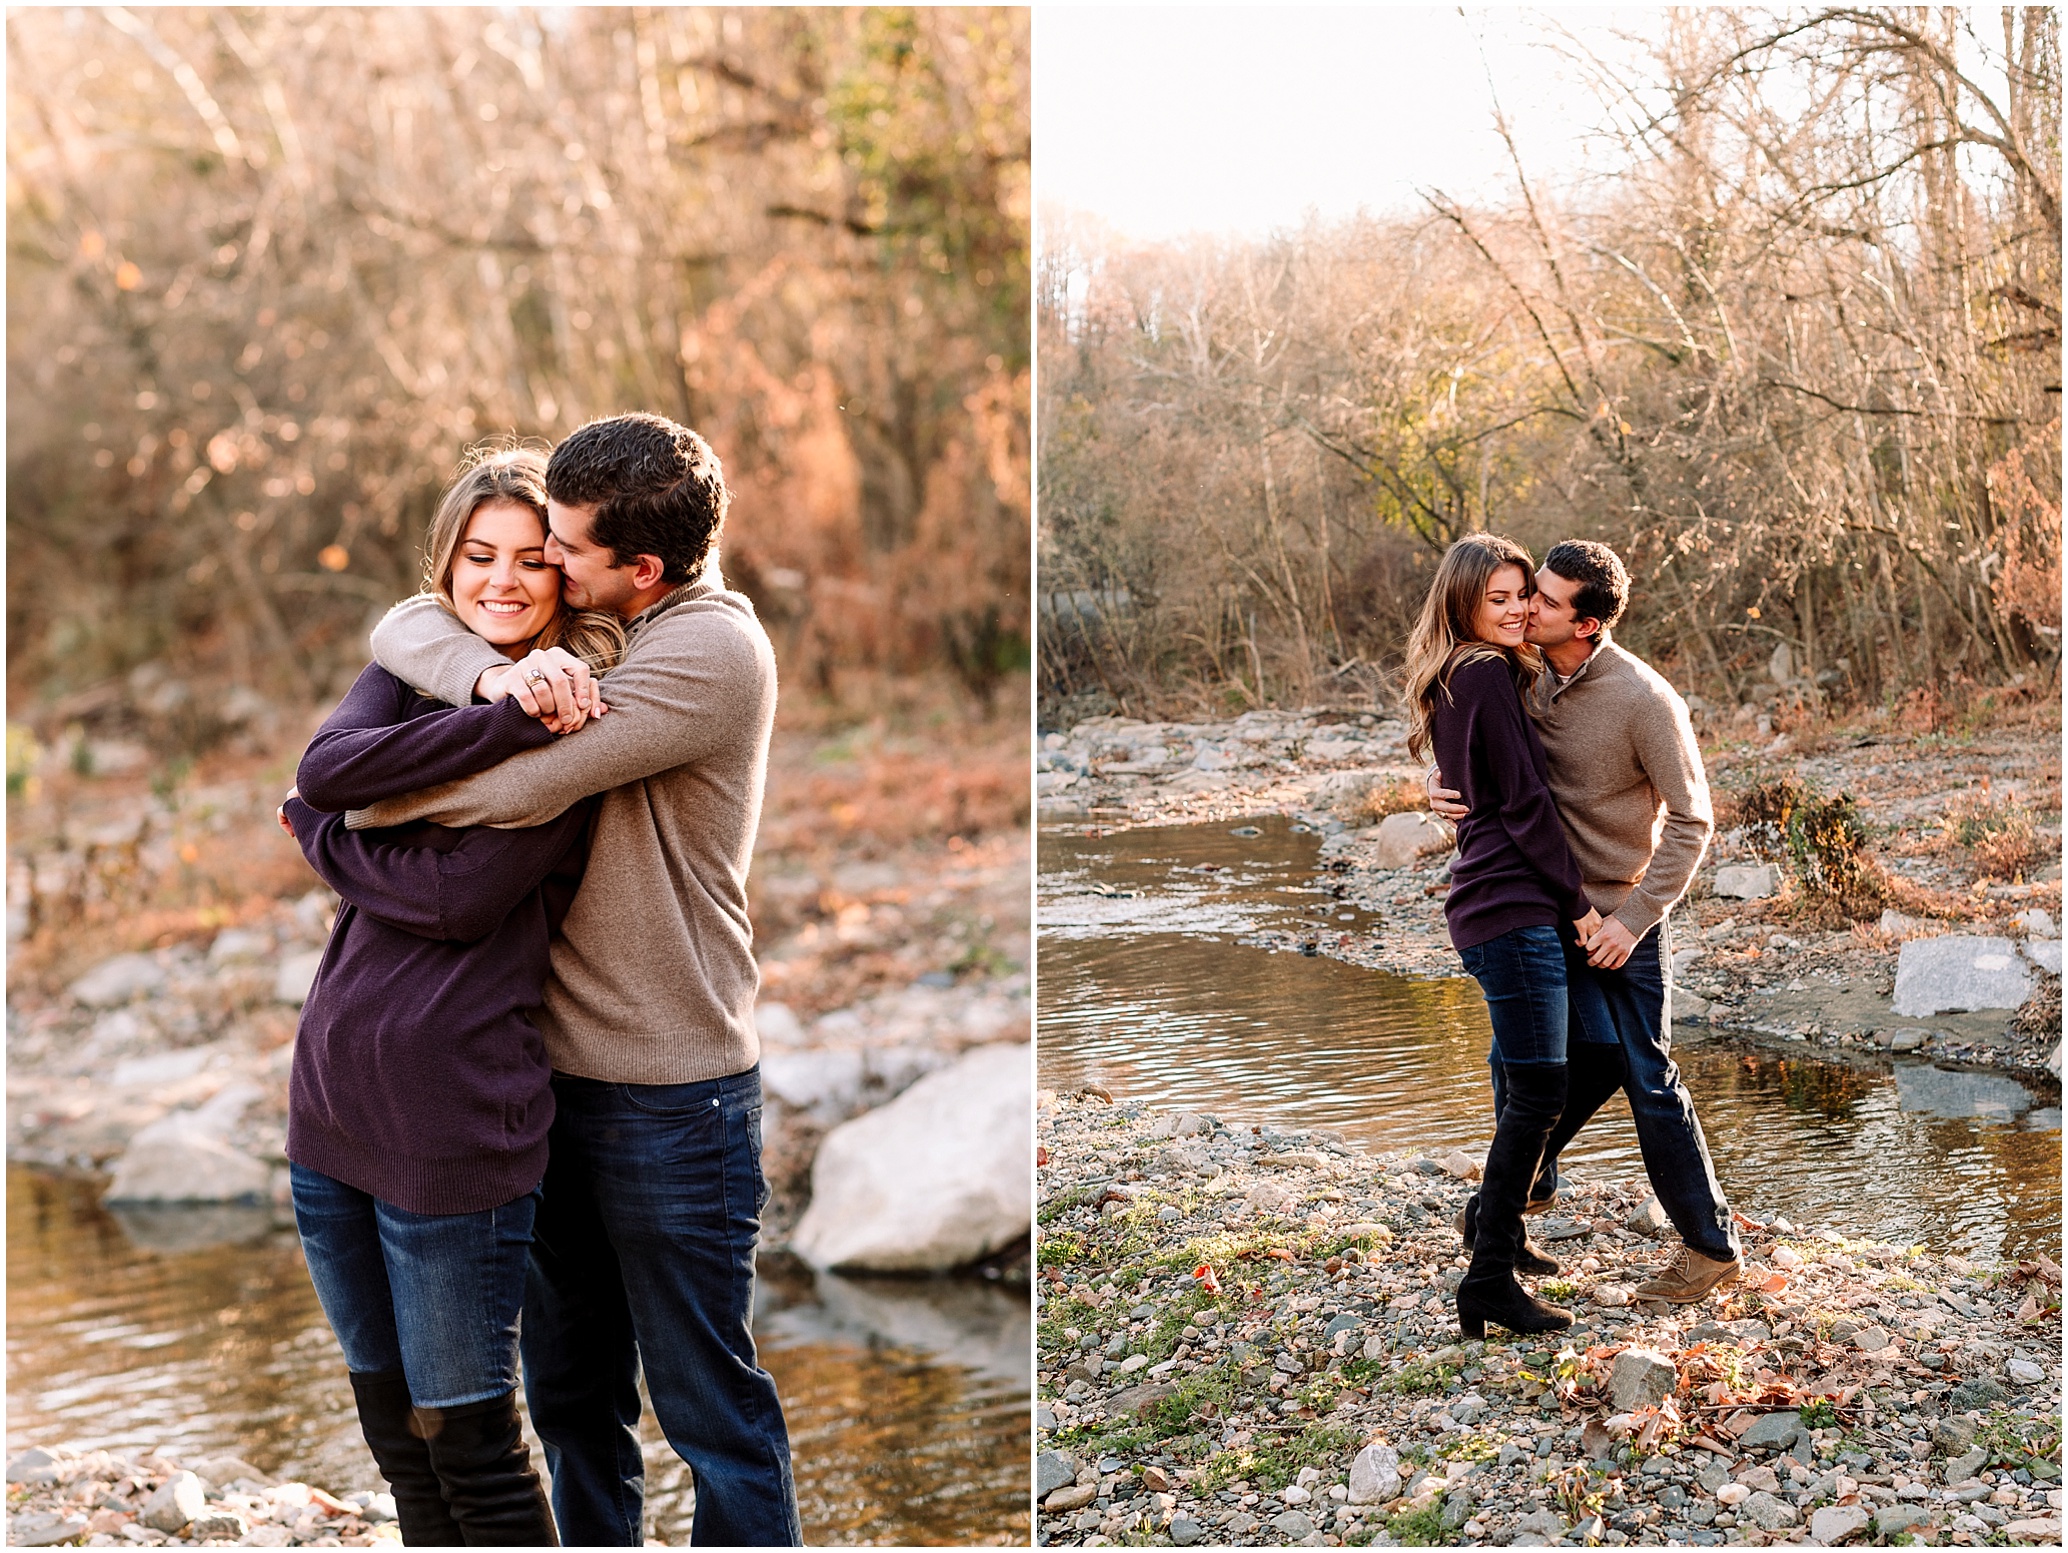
(196, 1332)
(1147, 992)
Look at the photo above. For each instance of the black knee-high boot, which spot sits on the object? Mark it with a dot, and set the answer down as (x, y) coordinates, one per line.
(1594, 1072)
(404, 1460)
(1534, 1096)
(485, 1469)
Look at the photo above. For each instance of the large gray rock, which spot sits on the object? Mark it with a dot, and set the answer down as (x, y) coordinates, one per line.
(1375, 1475)
(180, 1499)
(1404, 839)
(1958, 972)
(1834, 1523)
(1767, 1512)
(44, 1529)
(1641, 1377)
(1746, 881)
(1771, 1431)
(296, 976)
(1892, 1518)
(183, 1158)
(119, 980)
(1053, 1470)
(935, 1179)
(2045, 953)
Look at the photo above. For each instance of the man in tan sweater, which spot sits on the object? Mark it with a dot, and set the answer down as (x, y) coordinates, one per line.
(643, 1256)
(1627, 774)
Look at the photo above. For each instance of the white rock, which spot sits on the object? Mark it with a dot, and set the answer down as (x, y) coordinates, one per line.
(297, 976)
(2025, 1372)
(933, 1180)
(1403, 839)
(2045, 953)
(1832, 1524)
(239, 946)
(777, 1024)
(117, 980)
(1957, 972)
(1746, 882)
(180, 1158)
(1733, 1494)
(2034, 923)
(821, 1079)
(1375, 1475)
(176, 1503)
(1641, 1377)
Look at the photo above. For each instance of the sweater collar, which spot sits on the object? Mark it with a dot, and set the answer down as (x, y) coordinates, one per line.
(707, 582)
(1602, 645)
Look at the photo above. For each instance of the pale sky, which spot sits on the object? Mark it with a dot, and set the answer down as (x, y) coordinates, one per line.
(1178, 118)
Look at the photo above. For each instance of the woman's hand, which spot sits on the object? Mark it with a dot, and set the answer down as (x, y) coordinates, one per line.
(280, 813)
(551, 684)
(1588, 925)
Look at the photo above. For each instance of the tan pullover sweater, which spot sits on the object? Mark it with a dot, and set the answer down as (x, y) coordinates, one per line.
(653, 969)
(1627, 774)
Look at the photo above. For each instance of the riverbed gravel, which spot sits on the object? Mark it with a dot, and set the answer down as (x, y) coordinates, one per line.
(105, 1499)
(1246, 1337)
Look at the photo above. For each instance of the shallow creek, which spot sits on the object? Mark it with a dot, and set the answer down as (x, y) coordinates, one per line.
(195, 1331)
(1147, 988)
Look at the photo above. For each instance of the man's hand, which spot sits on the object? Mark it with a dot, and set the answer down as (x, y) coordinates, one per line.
(280, 813)
(1610, 945)
(551, 684)
(1443, 801)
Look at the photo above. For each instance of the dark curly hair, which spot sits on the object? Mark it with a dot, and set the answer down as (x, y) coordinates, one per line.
(657, 489)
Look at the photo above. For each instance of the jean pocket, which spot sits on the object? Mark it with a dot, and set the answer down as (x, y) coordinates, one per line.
(761, 1187)
(677, 1100)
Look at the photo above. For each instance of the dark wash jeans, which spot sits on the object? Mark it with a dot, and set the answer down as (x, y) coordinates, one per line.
(1631, 1007)
(644, 1258)
(1522, 973)
(435, 1295)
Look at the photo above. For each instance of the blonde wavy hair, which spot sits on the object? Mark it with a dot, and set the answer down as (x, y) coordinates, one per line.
(512, 472)
(1442, 641)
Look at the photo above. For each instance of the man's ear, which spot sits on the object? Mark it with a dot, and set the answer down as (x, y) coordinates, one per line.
(647, 570)
(1587, 628)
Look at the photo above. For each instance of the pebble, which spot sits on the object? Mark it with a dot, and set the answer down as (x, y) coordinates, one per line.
(1369, 1350)
(59, 1496)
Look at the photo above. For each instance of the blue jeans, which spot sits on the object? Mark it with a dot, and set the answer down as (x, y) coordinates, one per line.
(1630, 1007)
(1522, 974)
(435, 1295)
(645, 1259)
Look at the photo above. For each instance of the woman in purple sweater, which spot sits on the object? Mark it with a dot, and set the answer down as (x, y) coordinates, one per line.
(421, 1094)
(1515, 891)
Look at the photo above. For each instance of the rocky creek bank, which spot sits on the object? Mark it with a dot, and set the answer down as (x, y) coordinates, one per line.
(167, 1072)
(1246, 1337)
(1748, 958)
(104, 1499)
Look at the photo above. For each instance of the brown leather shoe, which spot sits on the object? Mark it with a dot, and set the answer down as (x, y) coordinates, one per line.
(1688, 1277)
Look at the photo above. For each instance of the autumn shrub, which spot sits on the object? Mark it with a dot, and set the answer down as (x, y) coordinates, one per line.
(1398, 795)
(2000, 839)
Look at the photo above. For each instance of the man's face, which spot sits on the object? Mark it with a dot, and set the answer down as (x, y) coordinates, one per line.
(1551, 622)
(588, 577)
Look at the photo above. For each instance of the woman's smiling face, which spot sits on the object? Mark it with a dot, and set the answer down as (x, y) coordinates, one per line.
(1503, 614)
(505, 591)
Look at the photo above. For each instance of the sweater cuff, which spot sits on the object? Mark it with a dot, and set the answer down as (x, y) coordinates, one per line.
(1640, 916)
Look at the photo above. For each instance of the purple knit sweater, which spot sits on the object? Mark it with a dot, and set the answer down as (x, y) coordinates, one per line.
(418, 1076)
(1513, 867)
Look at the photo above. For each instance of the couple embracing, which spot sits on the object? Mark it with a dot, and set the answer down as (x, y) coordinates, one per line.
(1571, 770)
(526, 1078)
